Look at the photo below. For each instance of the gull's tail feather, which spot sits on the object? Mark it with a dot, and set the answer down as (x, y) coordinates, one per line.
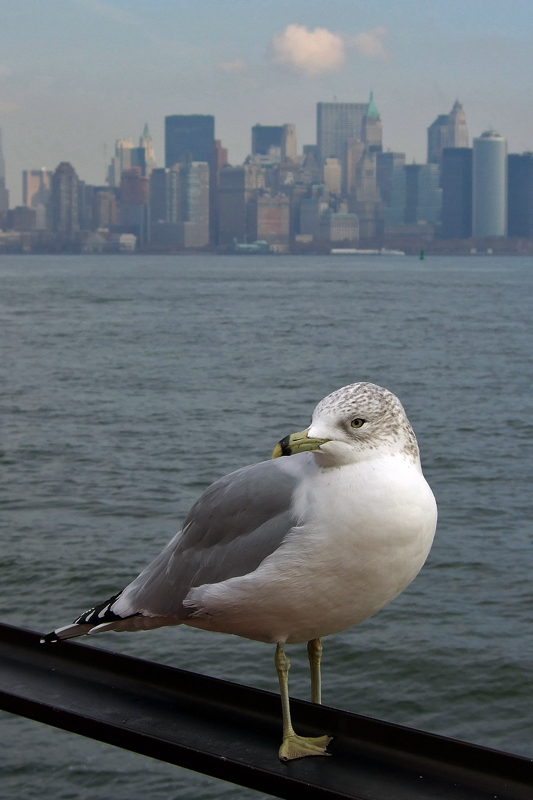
(97, 619)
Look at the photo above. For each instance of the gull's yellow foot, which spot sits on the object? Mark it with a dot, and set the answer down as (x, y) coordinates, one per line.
(295, 746)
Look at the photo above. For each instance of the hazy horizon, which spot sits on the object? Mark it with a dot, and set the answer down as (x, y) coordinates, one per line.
(75, 75)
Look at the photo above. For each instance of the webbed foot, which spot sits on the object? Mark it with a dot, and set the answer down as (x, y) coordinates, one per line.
(295, 746)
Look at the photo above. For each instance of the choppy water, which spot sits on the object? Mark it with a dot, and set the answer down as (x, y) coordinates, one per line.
(132, 383)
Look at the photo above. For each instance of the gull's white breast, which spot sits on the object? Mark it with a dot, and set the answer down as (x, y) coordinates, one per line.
(365, 531)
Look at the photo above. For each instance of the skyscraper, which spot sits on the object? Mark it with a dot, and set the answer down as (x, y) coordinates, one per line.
(336, 123)
(36, 187)
(520, 195)
(219, 160)
(288, 142)
(120, 161)
(264, 137)
(372, 128)
(456, 182)
(385, 165)
(237, 186)
(64, 201)
(189, 137)
(416, 199)
(489, 206)
(4, 194)
(147, 143)
(196, 223)
(448, 130)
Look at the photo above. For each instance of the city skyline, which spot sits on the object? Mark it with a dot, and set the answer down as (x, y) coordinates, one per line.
(75, 75)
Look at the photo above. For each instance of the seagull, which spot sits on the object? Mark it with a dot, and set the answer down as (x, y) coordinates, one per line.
(296, 548)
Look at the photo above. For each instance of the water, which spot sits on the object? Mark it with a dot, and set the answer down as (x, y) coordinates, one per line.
(131, 383)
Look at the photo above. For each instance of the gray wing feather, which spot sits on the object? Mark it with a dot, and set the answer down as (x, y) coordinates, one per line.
(235, 524)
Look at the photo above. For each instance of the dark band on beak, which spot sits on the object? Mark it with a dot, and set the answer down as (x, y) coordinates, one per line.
(284, 444)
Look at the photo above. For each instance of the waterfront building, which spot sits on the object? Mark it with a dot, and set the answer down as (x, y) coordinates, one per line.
(264, 137)
(456, 182)
(416, 200)
(520, 195)
(189, 137)
(448, 130)
(134, 198)
(489, 185)
(218, 161)
(336, 124)
(339, 227)
(270, 219)
(196, 195)
(64, 201)
(238, 185)
(4, 193)
(21, 218)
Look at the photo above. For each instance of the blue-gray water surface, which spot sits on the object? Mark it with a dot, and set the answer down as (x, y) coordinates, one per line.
(130, 383)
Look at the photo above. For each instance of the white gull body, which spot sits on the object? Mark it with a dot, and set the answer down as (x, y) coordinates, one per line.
(297, 548)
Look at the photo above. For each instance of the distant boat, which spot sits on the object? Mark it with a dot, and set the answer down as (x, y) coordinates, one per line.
(352, 251)
(254, 247)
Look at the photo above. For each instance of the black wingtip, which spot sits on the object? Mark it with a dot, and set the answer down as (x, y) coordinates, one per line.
(49, 638)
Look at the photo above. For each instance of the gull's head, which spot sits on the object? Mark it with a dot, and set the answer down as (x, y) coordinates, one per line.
(357, 422)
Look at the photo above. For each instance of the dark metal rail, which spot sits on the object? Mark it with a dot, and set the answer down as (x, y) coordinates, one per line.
(232, 732)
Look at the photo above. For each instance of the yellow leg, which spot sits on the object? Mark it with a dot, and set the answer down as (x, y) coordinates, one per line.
(314, 652)
(294, 746)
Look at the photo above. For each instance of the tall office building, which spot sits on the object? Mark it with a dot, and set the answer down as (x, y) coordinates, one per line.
(332, 171)
(189, 137)
(489, 185)
(196, 222)
(456, 182)
(36, 187)
(336, 123)
(448, 130)
(147, 144)
(520, 195)
(134, 198)
(416, 200)
(385, 166)
(4, 193)
(288, 142)
(104, 207)
(219, 160)
(237, 187)
(372, 128)
(120, 162)
(264, 137)
(64, 201)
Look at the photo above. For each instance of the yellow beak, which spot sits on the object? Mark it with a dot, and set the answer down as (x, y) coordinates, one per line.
(296, 443)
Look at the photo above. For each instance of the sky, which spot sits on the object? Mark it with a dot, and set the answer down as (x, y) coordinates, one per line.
(75, 75)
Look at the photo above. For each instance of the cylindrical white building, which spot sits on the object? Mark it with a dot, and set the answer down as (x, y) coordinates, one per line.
(489, 211)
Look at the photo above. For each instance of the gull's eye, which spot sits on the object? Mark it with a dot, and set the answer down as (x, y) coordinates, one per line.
(357, 422)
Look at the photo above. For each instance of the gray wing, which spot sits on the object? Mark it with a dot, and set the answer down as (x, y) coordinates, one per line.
(235, 524)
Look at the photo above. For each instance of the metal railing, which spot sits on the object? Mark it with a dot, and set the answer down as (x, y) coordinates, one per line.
(232, 732)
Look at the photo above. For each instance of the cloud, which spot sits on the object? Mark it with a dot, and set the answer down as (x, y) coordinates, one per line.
(309, 51)
(7, 108)
(5, 72)
(320, 50)
(238, 65)
(370, 43)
